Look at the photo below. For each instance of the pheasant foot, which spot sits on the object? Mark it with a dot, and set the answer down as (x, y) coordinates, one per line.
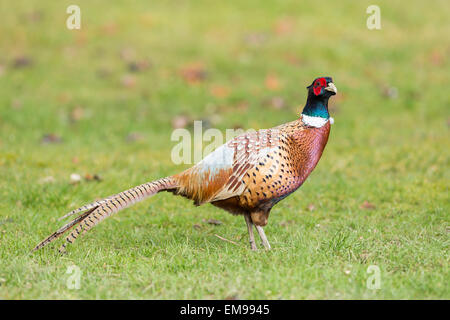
(263, 237)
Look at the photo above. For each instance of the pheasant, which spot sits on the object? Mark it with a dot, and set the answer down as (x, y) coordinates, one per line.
(246, 176)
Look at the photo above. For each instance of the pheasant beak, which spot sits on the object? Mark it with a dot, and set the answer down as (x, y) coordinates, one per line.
(331, 87)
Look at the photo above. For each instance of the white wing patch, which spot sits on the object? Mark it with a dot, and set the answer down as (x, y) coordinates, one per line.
(221, 158)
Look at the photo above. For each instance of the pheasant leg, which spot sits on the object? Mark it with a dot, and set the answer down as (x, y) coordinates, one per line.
(263, 237)
(250, 231)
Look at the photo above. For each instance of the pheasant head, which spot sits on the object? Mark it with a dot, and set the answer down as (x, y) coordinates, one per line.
(318, 94)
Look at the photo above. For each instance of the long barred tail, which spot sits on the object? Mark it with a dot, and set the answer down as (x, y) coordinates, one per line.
(95, 212)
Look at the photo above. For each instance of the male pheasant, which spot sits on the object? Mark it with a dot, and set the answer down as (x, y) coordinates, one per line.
(246, 176)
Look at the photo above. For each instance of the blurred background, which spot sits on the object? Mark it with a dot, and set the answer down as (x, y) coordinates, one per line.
(87, 113)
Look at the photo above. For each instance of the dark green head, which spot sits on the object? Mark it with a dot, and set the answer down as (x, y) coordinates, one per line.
(318, 94)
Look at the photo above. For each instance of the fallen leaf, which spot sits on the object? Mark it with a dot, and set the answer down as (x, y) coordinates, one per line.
(311, 207)
(103, 72)
(193, 73)
(16, 104)
(390, 92)
(367, 205)
(134, 136)
(109, 28)
(90, 177)
(127, 54)
(436, 57)
(51, 138)
(286, 223)
(272, 82)
(22, 62)
(219, 91)
(213, 221)
(180, 121)
(284, 26)
(293, 59)
(35, 16)
(76, 114)
(255, 39)
(242, 106)
(139, 66)
(128, 81)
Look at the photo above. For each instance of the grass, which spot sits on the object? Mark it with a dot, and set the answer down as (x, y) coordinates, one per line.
(389, 147)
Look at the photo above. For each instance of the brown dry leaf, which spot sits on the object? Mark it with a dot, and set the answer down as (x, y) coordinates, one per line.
(255, 39)
(2, 69)
(128, 81)
(197, 226)
(64, 97)
(277, 103)
(109, 28)
(51, 138)
(16, 104)
(284, 26)
(367, 205)
(219, 91)
(127, 54)
(80, 37)
(193, 73)
(293, 59)
(272, 82)
(103, 72)
(436, 57)
(22, 62)
(286, 223)
(242, 106)
(180, 121)
(390, 92)
(311, 207)
(90, 177)
(76, 114)
(134, 136)
(139, 66)
(35, 16)
(213, 221)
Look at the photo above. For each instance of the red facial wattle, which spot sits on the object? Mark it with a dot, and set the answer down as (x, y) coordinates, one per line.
(319, 84)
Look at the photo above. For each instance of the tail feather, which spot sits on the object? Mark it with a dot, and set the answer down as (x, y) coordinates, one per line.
(86, 207)
(99, 210)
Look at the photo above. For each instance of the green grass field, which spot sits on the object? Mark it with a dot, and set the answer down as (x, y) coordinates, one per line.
(102, 100)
